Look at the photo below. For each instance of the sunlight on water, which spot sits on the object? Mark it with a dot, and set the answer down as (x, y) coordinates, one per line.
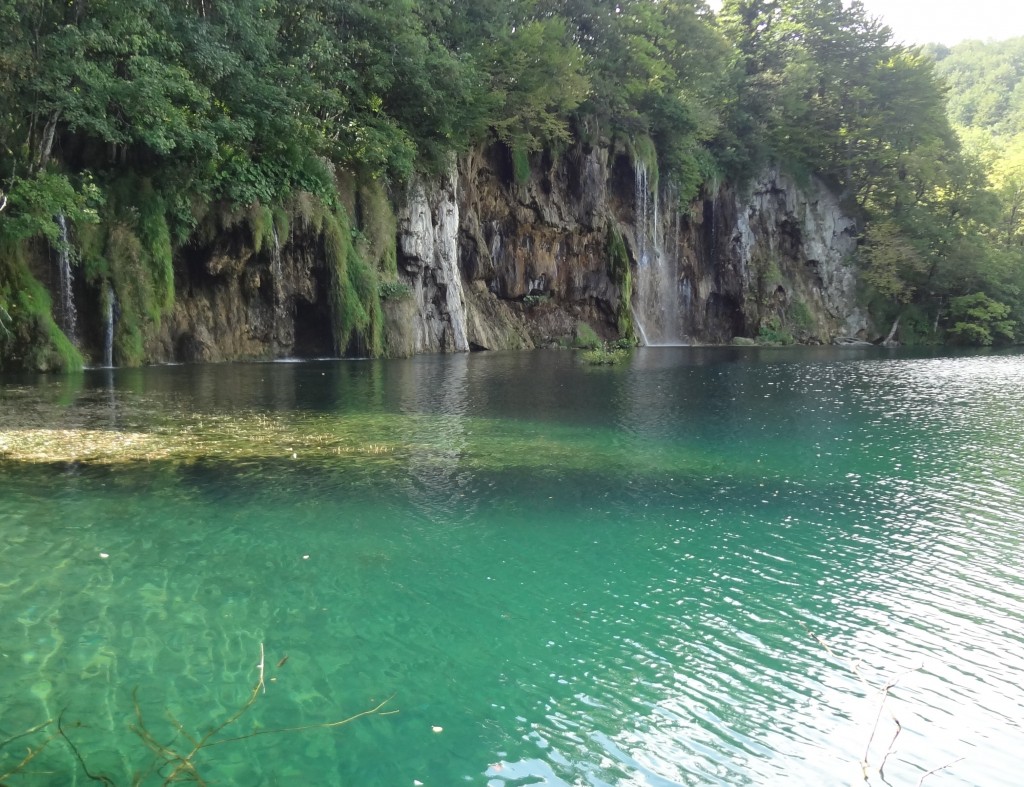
(555, 574)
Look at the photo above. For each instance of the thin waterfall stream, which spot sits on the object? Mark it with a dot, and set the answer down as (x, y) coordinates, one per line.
(108, 329)
(68, 313)
(277, 274)
(656, 305)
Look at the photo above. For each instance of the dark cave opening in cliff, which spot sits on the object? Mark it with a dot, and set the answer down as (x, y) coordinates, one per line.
(313, 335)
(724, 317)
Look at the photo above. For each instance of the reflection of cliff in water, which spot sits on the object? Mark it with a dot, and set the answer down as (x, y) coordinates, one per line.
(432, 393)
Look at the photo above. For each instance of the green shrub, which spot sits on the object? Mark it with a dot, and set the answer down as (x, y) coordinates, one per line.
(773, 332)
(394, 291)
(917, 327)
(800, 316)
(979, 320)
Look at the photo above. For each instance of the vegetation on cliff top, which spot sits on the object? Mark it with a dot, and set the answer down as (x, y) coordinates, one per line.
(141, 122)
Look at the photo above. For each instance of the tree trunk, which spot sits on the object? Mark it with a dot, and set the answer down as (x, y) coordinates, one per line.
(46, 143)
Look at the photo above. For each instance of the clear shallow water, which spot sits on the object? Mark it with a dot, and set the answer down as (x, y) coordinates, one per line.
(582, 576)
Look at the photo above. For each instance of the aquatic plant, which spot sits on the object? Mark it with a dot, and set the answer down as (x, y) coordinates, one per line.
(604, 356)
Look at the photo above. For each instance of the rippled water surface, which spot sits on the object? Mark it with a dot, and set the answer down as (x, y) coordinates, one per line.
(698, 568)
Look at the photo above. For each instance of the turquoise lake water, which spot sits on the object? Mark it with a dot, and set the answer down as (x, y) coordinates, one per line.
(697, 568)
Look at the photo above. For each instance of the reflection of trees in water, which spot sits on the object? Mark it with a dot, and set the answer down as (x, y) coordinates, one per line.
(434, 393)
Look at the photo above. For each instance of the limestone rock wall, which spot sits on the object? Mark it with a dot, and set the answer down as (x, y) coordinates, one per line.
(495, 260)
(533, 256)
(793, 243)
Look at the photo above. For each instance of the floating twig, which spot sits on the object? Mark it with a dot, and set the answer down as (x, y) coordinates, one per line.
(936, 770)
(883, 693)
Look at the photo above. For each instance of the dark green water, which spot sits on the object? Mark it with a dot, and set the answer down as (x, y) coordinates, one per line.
(561, 575)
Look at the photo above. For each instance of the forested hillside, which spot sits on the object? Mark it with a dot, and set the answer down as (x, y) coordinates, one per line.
(986, 106)
(130, 131)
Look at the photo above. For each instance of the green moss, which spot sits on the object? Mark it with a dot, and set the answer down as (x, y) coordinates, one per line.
(307, 211)
(354, 289)
(586, 338)
(800, 316)
(282, 223)
(261, 222)
(520, 165)
(155, 235)
(380, 228)
(641, 149)
(395, 291)
(622, 277)
(29, 336)
(139, 310)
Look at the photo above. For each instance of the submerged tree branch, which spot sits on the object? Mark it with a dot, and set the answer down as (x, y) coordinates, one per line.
(32, 753)
(183, 766)
(78, 755)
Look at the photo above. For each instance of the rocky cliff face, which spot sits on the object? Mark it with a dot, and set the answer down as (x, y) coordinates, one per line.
(793, 244)
(533, 257)
(492, 258)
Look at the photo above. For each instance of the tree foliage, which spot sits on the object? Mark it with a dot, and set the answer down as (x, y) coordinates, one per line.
(136, 120)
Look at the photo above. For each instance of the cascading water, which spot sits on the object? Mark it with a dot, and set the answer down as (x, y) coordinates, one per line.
(108, 333)
(656, 290)
(714, 235)
(277, 274)
(68, 314)
(495, 242)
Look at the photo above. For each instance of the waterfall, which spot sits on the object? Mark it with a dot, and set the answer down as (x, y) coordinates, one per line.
(656, 290)
(68, 315)
(276, 273)
(714, 234)
(108, 332)
(495, 242)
